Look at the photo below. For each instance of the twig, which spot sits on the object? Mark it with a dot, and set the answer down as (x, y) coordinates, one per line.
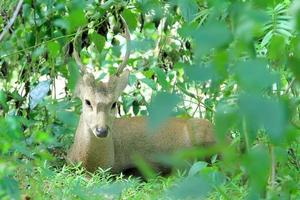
(193, 96)
(12, 20)
(290, 85)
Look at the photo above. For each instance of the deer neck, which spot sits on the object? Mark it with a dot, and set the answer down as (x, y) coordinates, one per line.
(93, 152)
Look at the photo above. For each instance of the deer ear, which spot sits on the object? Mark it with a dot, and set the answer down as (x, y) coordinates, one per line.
(121, 83)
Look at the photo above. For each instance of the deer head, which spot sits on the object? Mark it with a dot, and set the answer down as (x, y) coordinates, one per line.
(99, 98)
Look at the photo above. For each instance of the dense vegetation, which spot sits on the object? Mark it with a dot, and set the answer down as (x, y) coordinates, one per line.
(232, 62)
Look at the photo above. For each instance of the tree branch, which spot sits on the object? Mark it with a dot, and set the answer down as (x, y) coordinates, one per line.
(12, 20)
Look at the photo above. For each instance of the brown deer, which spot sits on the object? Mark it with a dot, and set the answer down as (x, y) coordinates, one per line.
(104, 141)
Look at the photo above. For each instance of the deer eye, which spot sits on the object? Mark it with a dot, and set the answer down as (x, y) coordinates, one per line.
(113, 106)
(88, 103)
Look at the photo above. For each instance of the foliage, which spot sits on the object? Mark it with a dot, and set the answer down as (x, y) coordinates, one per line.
(232, 62)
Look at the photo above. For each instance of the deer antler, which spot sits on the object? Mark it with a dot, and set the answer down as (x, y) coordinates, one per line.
(127, 53)
(76, 55)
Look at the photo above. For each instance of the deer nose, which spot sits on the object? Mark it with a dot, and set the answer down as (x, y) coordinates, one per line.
(102, 131)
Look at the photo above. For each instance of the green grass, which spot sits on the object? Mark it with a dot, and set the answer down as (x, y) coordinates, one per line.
(222, 180)
(73, 182)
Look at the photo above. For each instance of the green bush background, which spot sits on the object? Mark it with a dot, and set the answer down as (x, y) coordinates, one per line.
(235, 63)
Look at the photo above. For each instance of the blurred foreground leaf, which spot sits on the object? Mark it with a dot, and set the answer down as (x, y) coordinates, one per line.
(265, 113)
(161, 108)
(197, 186)
(113, 190)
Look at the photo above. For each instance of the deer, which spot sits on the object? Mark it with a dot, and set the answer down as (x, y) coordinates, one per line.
(104, 141)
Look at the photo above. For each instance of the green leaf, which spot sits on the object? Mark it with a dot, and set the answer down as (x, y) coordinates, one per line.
(258, 173)
(188, 9)
(74, 75)
(107, 4)
(162, 78)
(3, 100)
(127, 102)
(62, 23)
(136, 108)
(70, 119)
(197, 167)
(149, 82)
(191, 187)
(227, 117)
(265, 113)
(130, 18)
(143, 166)
(266, 3)
(211, 36)
(10, 187)
(277, 49)
(254, 76)
(78, 4)
(199, 73)
(142, 45)
(293, 63)
(76, 19)
(132, 79)
(98, 40)
(112, 190)
(188, 30)
(53, 49)
(161, 108)
(38, 52)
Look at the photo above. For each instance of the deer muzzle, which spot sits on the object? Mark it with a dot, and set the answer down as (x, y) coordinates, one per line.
(101, 132)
